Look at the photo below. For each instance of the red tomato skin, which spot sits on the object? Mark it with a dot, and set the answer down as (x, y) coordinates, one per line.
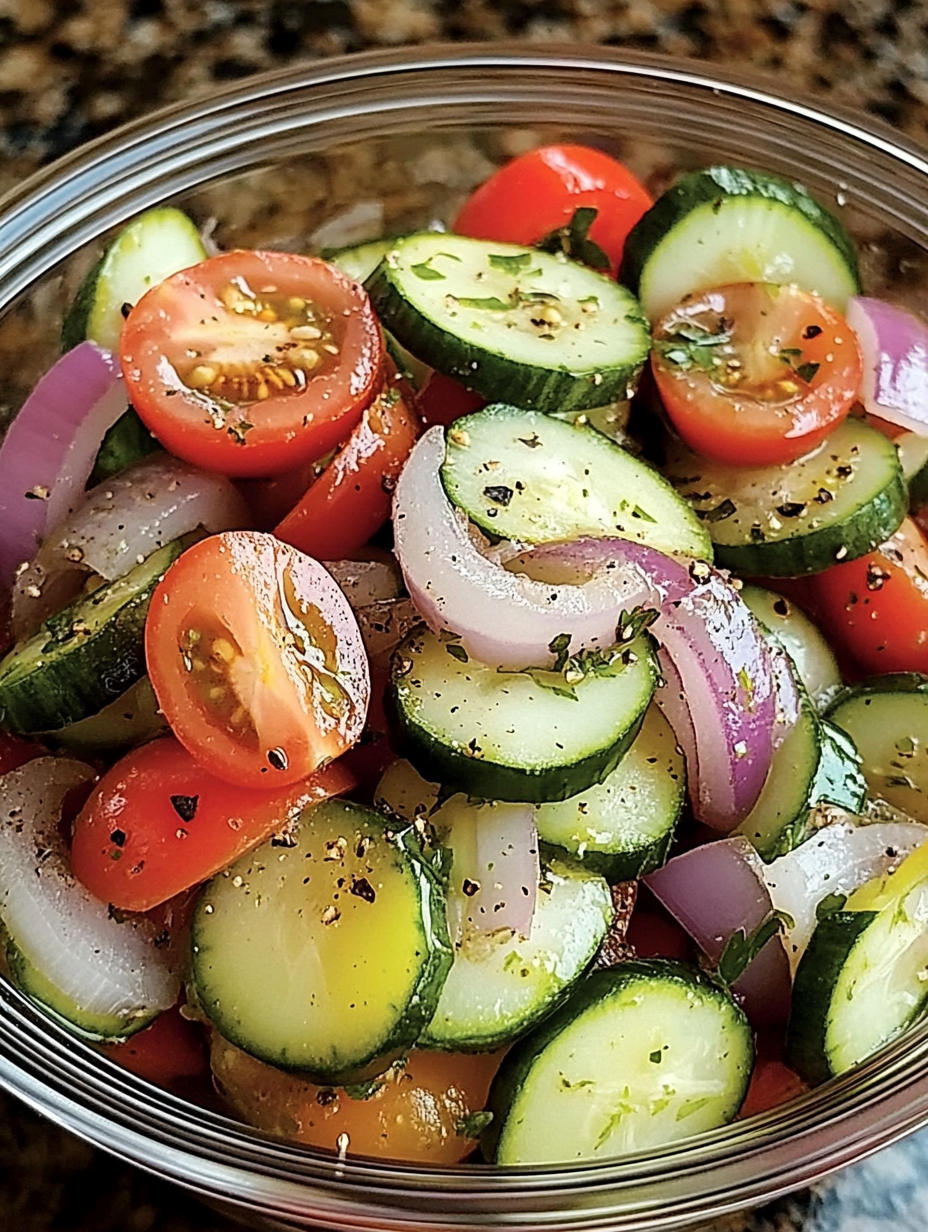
(875, 608)
(135, 848)
(772, 1084)
(263, 598)
(739, 430)
(443, 400)
(351, 499)
(537, 192)
(170, 1052)
(285, 430)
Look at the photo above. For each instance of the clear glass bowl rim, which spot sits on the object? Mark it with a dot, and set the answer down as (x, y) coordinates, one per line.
(49, 217)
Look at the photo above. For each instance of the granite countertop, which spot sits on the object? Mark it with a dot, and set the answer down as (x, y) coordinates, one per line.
(72, 69)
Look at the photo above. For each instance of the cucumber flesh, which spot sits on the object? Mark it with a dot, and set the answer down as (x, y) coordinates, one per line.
(724, 224)
(359, 260)
(641, 1055)
(85, 656)
(511, 323)
(802, 640)
(887, 718)
(863, 977)
(623, 827)
(515, 735)
(156, 245)
(324, 955)
(526, 476)
(837, 503)
(500, 985)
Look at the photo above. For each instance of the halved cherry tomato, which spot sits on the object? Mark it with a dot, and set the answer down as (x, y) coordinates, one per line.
(171, 1053)
(876, 607)
(755, 374)
(351, 499)
(443, 400)
(252, 363)
(419, 1112)
(158, 823)
(256, 659)
(538, 192)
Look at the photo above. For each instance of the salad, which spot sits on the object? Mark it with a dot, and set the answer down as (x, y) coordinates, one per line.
(417, 720)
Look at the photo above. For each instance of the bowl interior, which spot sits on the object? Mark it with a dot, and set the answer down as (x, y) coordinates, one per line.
(379, 144)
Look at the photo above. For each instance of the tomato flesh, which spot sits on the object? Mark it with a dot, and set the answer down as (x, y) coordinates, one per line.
(876, 607)
(538, 192)
(415, 1112)
(171, 1053)
(351, 499)
(252, 363)
(157, 823)
(256, 659)
(755, 374)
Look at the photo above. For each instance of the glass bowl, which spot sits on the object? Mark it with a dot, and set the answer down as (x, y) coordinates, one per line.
(278, 161)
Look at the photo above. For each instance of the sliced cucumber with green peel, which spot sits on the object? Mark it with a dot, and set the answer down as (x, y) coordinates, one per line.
(131, 719)
(623, 827)
(85, 656)
(525, 736)
(725, 224)
(887, 718)
(359, 260)
(500, 985)
(511, 323)
(153, 247)
(816, 764)
(524, 475)
(640, 1055)
(325, 954)
(802, 640)
(864, 975)
(835, 504)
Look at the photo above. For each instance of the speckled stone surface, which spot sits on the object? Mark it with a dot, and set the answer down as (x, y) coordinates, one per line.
(70, 70)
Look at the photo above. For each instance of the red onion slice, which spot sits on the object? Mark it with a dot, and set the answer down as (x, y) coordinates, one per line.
(713, 891)
(503, 619)
(836, 860)
(495, 869)
(721, 696)
(894, 345)
(120, 522)
(105, 963)
(49, 450)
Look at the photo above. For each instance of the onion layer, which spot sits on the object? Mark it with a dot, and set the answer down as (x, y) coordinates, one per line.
(109, 966)
(49, 450)
(121, 521)
(836, 860)
(713, 891)
(894, 345)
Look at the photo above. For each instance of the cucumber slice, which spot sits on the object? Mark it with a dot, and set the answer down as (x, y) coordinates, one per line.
(802, 640)
(816, 763)
(515, 735)
(500, 985)
(643, 1054)
(85, 656)
(157, 244)
(623, 827)
(513, 324)
(359, 261)
(524, 475)
(131, 719)
(324, 954)
(835, 504)
(862, 979)
(887, 718)
(725, 224)
(128, 441)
